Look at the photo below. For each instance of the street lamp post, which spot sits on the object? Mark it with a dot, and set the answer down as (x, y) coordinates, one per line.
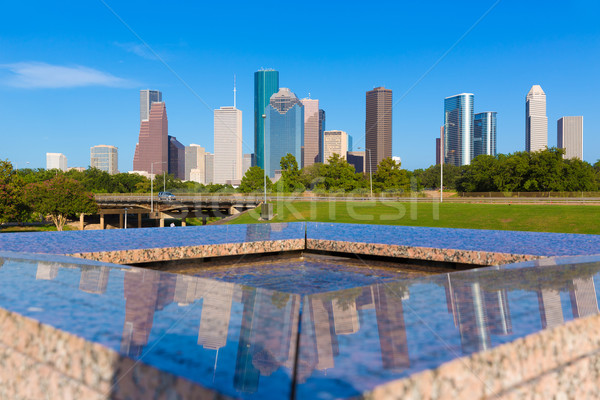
(264, 116)
(125, 217)
(152, 183)
(370, 169)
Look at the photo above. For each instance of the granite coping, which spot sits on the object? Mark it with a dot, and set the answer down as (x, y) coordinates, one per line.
(383, 340)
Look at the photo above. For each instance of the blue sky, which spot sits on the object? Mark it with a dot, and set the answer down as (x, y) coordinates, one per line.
(71, 71)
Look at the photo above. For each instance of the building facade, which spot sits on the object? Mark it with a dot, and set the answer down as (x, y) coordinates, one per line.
(105, 158)
(378, 125)
(484, 134)
(334, 142)
(176, 158)
(266, 84)
(195, 159)
(569, 136)
(536, 121)
(152, 150)
(321, 131)
(284, 129)
(357, 159)
(439, 147)
(228, 145)
(147, 97)
(56, 161)
(246, 163)
(311, 133)
(209, 168)
(458, 129)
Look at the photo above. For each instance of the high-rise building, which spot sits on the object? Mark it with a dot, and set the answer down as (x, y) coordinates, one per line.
(195, 160)
(147, 97)
(484, 134)
(284, 129)
(152, 150)
(176, 158)
(439, 146)
(246, 163)
(357, 159)
(209, 168)
(266, 84)
(536, 121)
(334, 142)
(56, 161)
(311, 132)
(350, 143)
(105, 158)
(228, 145)
(569, 136)
(378, 125)
(458, 129)
(321, 130)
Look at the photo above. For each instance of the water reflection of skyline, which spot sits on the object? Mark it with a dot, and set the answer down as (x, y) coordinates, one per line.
(479, 309)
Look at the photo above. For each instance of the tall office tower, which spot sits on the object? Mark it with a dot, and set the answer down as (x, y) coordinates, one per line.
(484, 134)
(458, 129)
(569, 136)
(228, 145)
(246, 163)
(147, 97)
(56, 161)
(350, 143)
(439, 147)
(391, 327)
(536, 122)
(209, 168)
(357, 159)
(334, 142)
(176, 158)
(266, 84)
(311, 132)
(323, 337)
(152, 149)
(284, 129)
(194, 159)
(105, 158)
(321, 130)
(378, 126)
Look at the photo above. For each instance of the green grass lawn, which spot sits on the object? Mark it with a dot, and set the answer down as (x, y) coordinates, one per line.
(540, 218)
(38, 228)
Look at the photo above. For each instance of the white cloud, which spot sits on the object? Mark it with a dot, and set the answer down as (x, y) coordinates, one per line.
(138, 49)
(34, 75)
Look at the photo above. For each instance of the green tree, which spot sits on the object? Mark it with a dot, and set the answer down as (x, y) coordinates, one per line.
(60, 198)
(339, 176)
(253, 181)
(13, 207)
(311, 177)
(290, 175)
(390, 177)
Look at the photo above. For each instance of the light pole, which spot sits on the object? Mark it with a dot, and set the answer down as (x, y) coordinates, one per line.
(370, 169)
(264, 116)
(152, 183)
(443, 157)
(125, 217)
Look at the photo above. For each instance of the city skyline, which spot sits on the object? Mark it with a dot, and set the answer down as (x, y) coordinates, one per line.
(96, 63)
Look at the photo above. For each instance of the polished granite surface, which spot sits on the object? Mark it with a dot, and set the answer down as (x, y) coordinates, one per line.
(512, 242)
(241, 340)
(70, 242)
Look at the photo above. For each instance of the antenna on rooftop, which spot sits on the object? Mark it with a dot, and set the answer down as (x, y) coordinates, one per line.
(234, 91)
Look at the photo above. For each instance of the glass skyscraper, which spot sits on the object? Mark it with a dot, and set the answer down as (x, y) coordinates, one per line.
(266, 84)
(484, 134)
(284, 129)
(105, 158)
(458, 128)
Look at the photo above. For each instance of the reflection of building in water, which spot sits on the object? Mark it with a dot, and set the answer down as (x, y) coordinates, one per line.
(469, 304)
(145, 291)
(497, 312)
(391, 327)
(279, 227)
(46, 270)
(550, 308)
(246, 375)
(583, 297)
(94, 279)
(258, 232)
(345, 317)
(216, 311)
(308, 358)
(323, 333)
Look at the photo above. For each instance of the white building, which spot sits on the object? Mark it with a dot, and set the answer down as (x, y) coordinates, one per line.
(246, 163)
(209, 171)
(56, 161)
(536, 121)
(105, 158)
(195, 160)
(569, 136)
(334, 142)
(228, 145)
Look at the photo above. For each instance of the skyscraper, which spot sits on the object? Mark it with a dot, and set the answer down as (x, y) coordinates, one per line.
(439, 144)
(228, 145)
(152, 149)
(209, 168)
(176, 158)
(266, 84)
(569, 136)
(536, 122)
(321, 131)
(195, 160)
(56, 161)
(458, 129)
(334, 142)
(484, 134)
(105, 158)
(311, 132)
(378, 126)
(284, 129)
(147, 97)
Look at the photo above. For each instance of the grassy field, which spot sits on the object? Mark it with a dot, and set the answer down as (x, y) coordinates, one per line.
(36, 228)
(540, 218)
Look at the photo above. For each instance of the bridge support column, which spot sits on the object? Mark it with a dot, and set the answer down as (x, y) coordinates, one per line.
(204, 220)
(233, 210)
(139, 218)
(101, 221)
(81, 221)
(162, 222)
(183, 222)
(120, 221)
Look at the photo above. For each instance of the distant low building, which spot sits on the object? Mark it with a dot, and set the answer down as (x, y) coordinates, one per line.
(105, 158)
(334, 142)
(176, 158)
(356, 159)
(56, 161)
(569, 136)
